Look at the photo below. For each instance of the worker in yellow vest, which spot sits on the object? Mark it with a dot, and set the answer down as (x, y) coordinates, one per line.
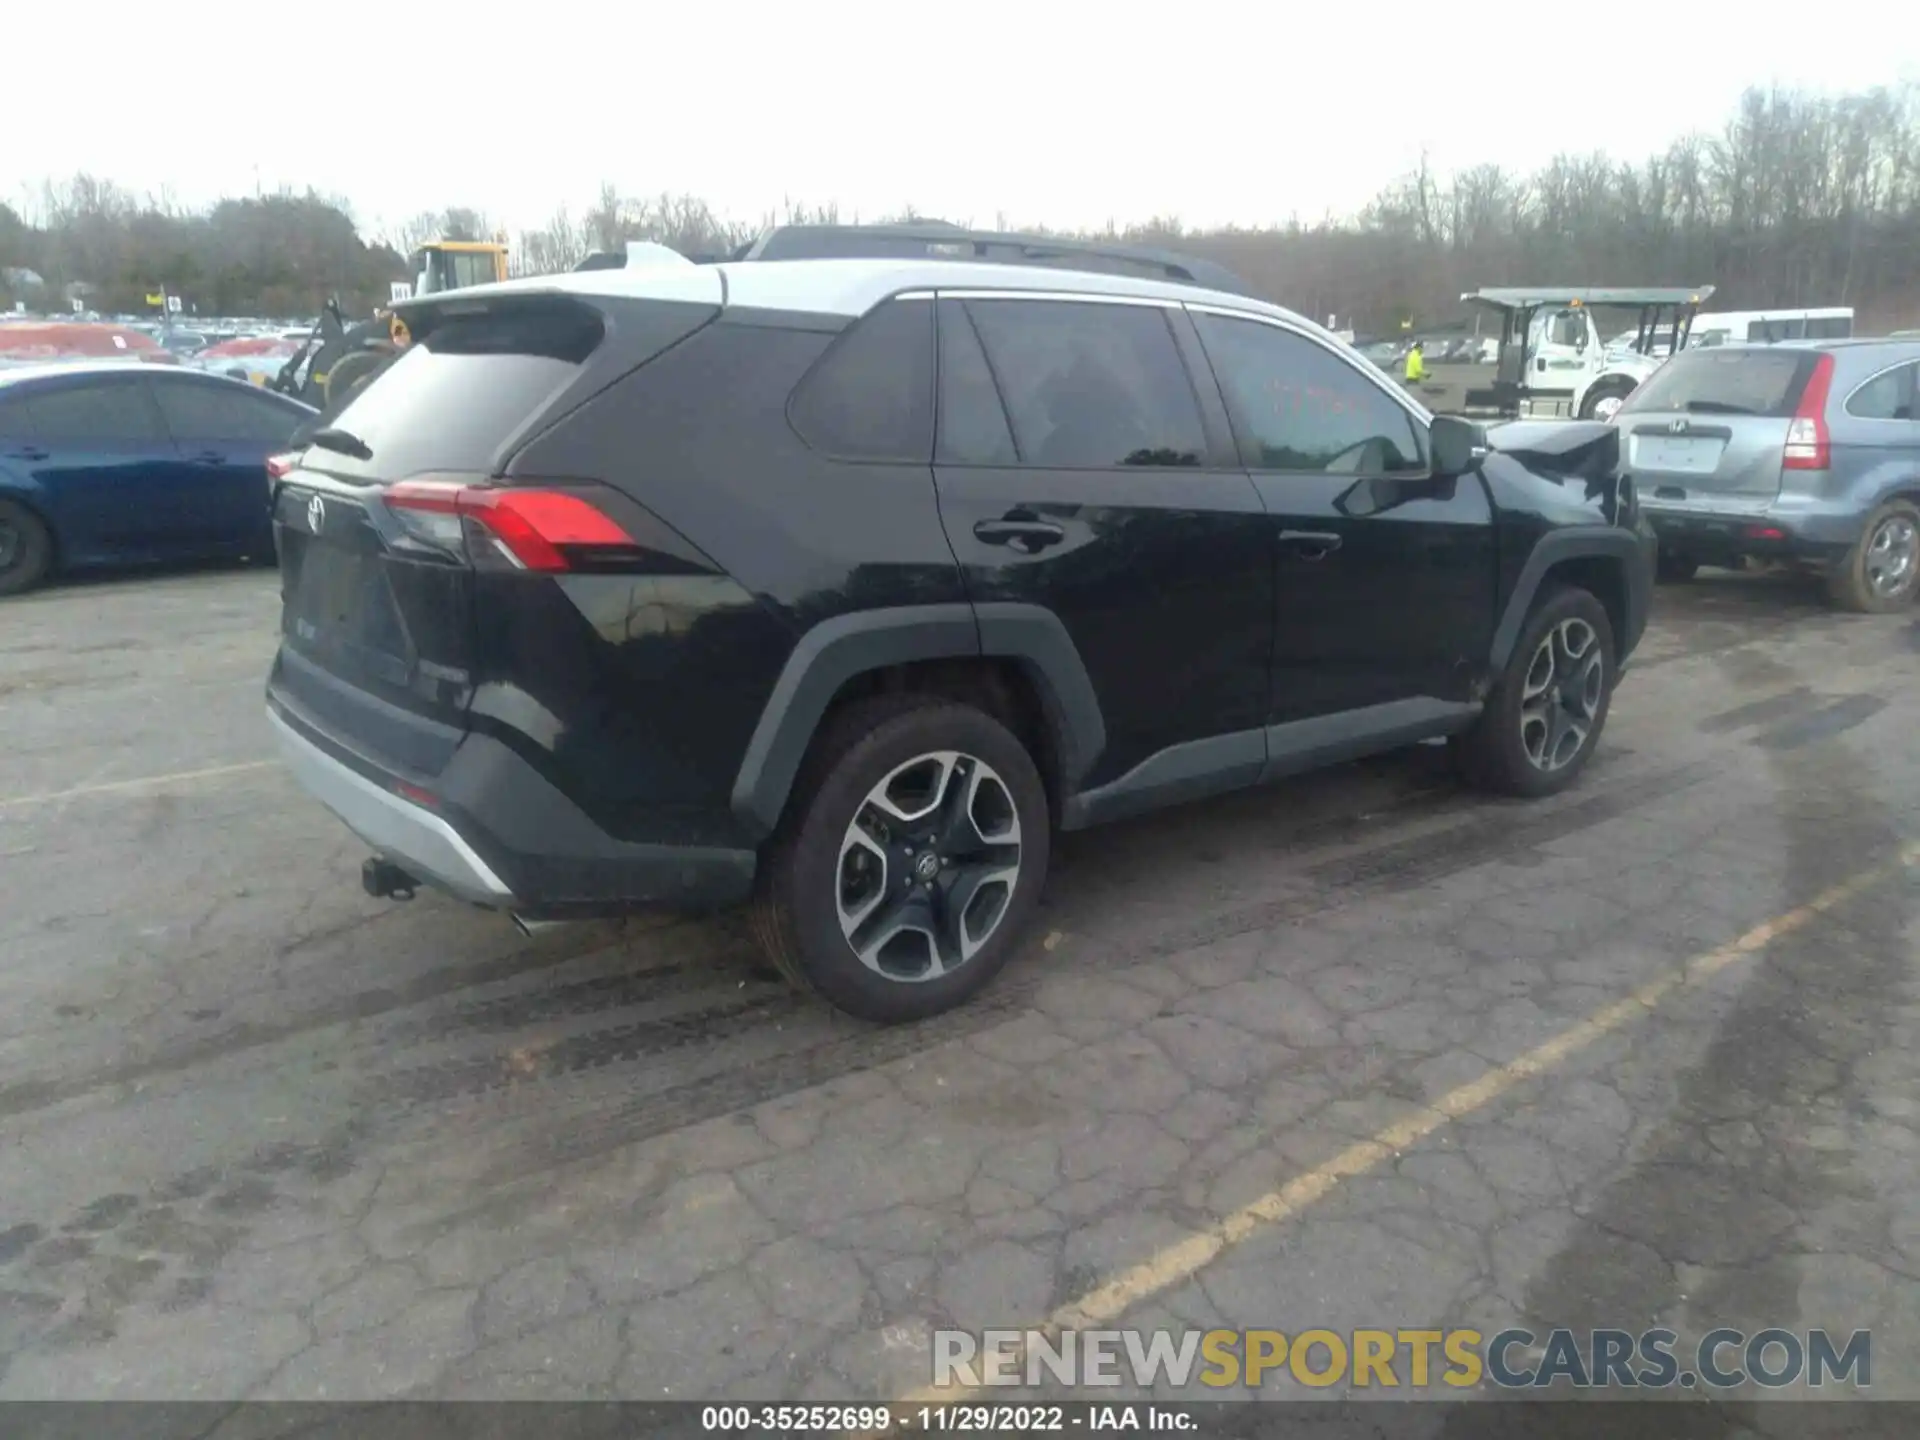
(1416, 365)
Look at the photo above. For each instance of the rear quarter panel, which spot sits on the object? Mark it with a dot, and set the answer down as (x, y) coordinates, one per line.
(660, 680)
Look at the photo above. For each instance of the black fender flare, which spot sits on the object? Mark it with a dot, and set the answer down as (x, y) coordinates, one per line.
(1580, 542)
(837, 650)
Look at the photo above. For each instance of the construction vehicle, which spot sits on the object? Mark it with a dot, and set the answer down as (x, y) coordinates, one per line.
(1553, 363)
(339, 357)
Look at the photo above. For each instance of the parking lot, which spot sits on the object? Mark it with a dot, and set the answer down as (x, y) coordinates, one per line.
(1360, 1050)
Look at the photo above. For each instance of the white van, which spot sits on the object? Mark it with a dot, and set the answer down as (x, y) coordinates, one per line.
(1767, 327)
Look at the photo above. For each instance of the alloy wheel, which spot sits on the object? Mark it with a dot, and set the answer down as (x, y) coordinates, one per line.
(1892, 555)
(1561, 695)
(1606, 407)
(928, 866)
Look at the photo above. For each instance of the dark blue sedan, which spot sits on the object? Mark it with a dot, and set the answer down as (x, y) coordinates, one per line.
(113, 463)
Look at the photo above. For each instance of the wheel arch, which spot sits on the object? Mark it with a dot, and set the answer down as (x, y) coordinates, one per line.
(28, 499)
(1611, 382)
(1608, 562)
(1016, 661)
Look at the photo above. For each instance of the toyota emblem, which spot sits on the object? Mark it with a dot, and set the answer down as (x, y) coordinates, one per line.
(316, 514)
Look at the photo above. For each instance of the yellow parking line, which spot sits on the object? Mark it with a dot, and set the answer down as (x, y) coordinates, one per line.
(1182, 1261)
(145, 782)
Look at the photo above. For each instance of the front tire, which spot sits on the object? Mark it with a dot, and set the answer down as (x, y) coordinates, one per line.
(26, 549)
(910, 862)
(1881, 573)
(1545, 715)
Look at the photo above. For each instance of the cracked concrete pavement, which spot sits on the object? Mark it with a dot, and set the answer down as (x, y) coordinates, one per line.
(263, 1137)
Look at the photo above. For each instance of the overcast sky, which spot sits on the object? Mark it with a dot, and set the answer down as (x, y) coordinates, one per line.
(1074, 114)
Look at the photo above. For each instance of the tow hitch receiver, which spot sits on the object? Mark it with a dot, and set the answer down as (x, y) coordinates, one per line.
(385, 880)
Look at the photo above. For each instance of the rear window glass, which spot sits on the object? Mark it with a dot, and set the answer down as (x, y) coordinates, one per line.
(461, 391)
(1726, 382)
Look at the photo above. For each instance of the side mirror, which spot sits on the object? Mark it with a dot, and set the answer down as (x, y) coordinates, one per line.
(1456, 446)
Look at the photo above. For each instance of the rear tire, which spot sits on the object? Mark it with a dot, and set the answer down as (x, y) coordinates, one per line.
(1544, 717)
(1881, 573)
(845, 870)
(26, 549)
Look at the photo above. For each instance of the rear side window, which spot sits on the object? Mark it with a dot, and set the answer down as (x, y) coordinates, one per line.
(1726, 382)
(221, 412)
(466, 387)
(1888, 396)
(870, 397)
(1089, 385)
(105, 412)
(973, 422)
(1829, 327)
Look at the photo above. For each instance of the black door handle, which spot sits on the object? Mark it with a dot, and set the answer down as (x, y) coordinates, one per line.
(1310, 544)
(1023, 532)
(29, 452)
(211, 457)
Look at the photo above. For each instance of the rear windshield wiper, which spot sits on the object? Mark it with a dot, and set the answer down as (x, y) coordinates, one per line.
(1694, 407)
(344, 442)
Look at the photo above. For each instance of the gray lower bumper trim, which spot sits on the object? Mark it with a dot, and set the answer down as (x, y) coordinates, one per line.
(411, 836)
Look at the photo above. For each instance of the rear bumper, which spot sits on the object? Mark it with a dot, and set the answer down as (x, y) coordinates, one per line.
(1768, 529)
(422, 843)
(490, 830)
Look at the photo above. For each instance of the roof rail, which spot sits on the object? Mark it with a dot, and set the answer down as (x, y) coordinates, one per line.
(942, 240)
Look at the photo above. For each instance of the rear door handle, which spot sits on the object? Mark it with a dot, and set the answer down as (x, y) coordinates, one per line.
(1309, 544)
(211, 457)
(1022, 531)
(28, 452)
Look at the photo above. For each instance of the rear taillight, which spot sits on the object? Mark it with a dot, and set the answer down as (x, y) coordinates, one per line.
(1807, 443)
(547, 530)
(281, 466)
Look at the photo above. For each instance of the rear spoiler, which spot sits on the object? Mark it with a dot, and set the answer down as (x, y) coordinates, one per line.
(638, 252)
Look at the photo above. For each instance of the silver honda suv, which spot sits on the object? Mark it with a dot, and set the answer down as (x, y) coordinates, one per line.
(1803, 452)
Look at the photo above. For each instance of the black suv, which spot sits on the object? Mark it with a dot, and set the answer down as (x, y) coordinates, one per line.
(838, 586)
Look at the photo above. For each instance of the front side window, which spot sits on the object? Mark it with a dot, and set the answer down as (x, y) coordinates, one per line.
(1090, 385)
(1568, 329)
(1297, 405)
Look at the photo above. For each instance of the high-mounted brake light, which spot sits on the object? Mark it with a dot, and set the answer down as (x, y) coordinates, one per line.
(1808, 446)
(531, 529)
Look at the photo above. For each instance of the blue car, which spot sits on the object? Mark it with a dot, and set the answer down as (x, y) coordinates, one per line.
(114, 463)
